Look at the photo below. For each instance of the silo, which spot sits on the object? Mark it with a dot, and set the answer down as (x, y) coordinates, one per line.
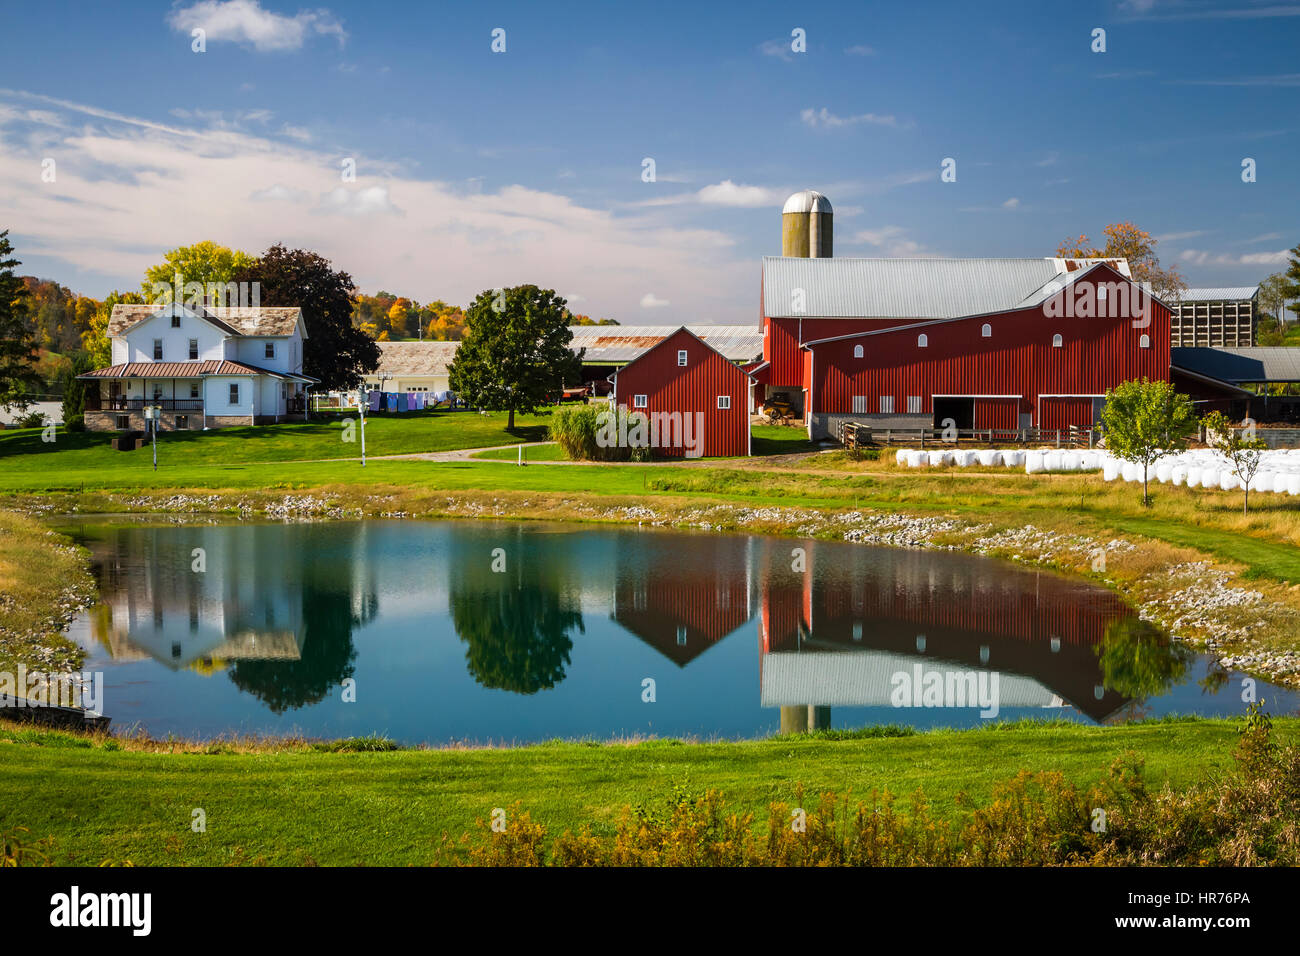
(806, 226)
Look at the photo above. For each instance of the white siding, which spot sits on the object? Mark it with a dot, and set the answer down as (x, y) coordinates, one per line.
(137, 344)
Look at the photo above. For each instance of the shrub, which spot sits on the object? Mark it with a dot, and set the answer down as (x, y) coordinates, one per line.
(30, 420)
(577, 428)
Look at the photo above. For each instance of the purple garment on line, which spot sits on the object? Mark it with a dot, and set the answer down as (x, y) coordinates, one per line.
(374, 401)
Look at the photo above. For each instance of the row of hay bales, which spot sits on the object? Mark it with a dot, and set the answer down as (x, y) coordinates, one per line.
(1279, 469)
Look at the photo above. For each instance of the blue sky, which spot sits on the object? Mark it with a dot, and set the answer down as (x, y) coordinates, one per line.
(477, 169)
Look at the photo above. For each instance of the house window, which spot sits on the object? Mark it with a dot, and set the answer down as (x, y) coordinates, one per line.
(176, 321)
(157, 393)
(922, 341)
(681, 357)
(886, 404)
(194, 390)
(638, 401)
(123, 422)
(857, 351)
(859, 404)
(724, 401)
(270, 350)
(182, 422)
(1057, 341)
(1144, 342)
(157, 350)
(986, 331)
(234, 394)
(194, 349)
(914, 404)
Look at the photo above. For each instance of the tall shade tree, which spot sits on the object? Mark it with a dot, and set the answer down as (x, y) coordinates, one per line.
(1144, 421)
(1292, 288)
(515, 354)
(1243, 449)
(1126, 241)
(17, 373)
(95, 339)
(335, 352)
(204, 262)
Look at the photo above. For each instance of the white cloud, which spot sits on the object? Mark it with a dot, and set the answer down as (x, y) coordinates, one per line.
(131, 188)
(777, 48)
(892, 240)
(825, 119)
(652, 301)
(1176, 236)
(1011, 203)
(727, 193)
(1202, 257)
(246, 23)
(860, 50)
(297, 132)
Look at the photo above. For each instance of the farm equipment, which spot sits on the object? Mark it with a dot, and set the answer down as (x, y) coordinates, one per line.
(778, 411)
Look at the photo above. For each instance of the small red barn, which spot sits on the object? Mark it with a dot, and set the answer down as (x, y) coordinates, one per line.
(696, 399)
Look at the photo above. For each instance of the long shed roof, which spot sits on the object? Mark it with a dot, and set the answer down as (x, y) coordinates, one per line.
(619, 344)
(1237, 365)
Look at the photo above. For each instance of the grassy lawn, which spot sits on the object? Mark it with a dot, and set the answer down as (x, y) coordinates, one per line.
(23, 452)
(780, 440)
(295, 805)
(548, 452)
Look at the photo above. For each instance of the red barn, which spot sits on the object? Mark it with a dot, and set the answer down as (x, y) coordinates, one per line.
(697, 399)
(1046, 364)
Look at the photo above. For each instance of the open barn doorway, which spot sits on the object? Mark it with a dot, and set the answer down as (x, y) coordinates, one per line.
(960, 410)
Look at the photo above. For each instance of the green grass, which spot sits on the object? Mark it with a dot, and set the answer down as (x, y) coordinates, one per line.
(294, 806)
(780, 440)
(548, 452)
(23, 452)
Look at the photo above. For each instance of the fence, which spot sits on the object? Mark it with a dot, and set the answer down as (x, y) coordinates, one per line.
(855, 435)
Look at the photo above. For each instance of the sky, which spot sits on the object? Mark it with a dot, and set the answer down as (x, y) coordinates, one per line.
(478, 168)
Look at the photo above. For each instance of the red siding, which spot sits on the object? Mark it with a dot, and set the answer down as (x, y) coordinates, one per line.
(782, 338)
(1018, 359)
(1065, 412)
(997, 412)
(691, 388)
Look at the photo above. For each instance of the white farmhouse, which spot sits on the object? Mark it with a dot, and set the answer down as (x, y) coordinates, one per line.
(205, 367)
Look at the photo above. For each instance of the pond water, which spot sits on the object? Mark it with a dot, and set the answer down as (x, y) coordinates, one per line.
(509, 632)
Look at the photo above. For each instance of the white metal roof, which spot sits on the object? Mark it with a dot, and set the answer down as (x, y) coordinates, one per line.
(1240, 293)
(809, 200)
(619, 344)
(906, 288)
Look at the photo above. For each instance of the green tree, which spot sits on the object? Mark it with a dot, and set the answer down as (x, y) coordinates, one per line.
(74, 392)
(204, 262)
(95, 339)
(1243, 449)
(1144, 421)
(515, 354)
(17, 373)
(335, 351)
(1292, 288)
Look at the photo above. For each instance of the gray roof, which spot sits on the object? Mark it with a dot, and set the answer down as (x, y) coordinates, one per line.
(809, 200)
(907, 288)
(1241, 293)
(414, 358)
(260, 321)
(619, 344)
(1260, 364)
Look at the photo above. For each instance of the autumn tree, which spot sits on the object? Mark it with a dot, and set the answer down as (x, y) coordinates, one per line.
(1126, 241)
(335, 351)
(17, 376)
(515, 355)
(204, 262)
(95, 339)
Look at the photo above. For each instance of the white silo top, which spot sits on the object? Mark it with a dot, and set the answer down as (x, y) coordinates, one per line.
(810, 200)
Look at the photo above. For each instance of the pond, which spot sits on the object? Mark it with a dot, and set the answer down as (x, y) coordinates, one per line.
(499, 632)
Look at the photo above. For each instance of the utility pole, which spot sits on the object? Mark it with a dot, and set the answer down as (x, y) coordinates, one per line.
(362, 405)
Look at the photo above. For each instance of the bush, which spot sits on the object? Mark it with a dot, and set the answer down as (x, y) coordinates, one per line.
(30, 420)
(76, 423)
(577, 429)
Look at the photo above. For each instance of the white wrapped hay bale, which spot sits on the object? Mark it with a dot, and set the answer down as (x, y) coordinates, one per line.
(988, 457)
(1194, 476)
(1293, 484)
(1264, 481)
(1228, 481)
(1110, 469)
(900, 456)
(1178, 475)
(940, 458)
(1033, 462)
(1013, 459)
(965, 459)
(1163, 470)
(1051, 461)
(1089, 460)
(917, 459)
(1130, 472)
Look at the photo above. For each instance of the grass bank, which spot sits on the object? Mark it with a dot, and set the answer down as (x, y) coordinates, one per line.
(43, 580)
(102, 799)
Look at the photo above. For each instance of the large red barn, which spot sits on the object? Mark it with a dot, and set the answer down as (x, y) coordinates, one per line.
(683, 375)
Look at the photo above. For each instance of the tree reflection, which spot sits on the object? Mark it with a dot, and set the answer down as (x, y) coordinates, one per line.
(1139, 661)
(517, 630)
(327, 655)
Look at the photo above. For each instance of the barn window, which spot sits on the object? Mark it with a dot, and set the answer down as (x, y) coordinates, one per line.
(1144, 342)
(724, 401)
(859, 404)
(638, 401)
(914, 404)
(194, 349)
(1057, 341)
(157, 350)
(681, 357)
(922, 340)
(986, 331)
(234, 393)
(886, 404)
(857, 351)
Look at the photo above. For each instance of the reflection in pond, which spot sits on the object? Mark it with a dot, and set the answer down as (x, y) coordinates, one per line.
(496, 631)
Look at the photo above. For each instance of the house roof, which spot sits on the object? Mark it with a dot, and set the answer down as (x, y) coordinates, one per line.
(619, 344)
(908, 288)
(680, 328)
(188, 370)
(414, 358)
(260, 321)
(1258, 364)
(1241, 293)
